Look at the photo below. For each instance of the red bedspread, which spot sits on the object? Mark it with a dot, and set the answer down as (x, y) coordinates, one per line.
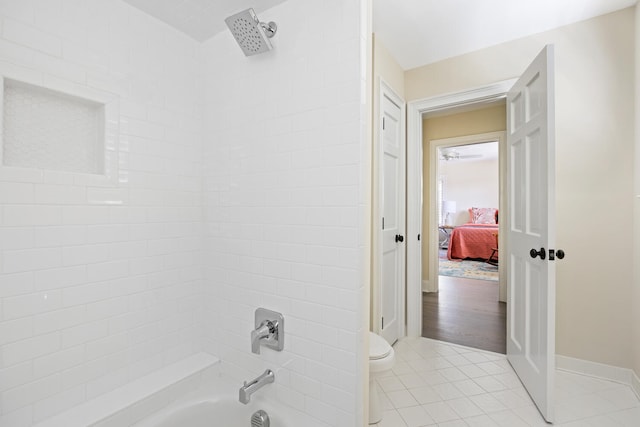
(472, 241)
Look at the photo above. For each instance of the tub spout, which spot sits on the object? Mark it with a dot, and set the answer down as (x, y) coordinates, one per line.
(245, 392)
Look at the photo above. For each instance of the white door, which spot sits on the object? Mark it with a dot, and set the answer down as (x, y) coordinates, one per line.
(392, 170)
(531, 230)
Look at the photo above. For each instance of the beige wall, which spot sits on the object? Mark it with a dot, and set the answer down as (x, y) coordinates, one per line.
(483, 120)
(636, 255)
(385, 68)
(594, 170)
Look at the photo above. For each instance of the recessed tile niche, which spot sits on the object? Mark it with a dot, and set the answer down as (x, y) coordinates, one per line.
(47, 129)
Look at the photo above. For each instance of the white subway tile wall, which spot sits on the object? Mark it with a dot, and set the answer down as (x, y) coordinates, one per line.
(101, 279)
(69, 136)
(284, 204)
(240, 179)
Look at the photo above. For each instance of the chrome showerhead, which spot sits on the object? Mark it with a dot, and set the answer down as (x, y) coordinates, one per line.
(251, 34)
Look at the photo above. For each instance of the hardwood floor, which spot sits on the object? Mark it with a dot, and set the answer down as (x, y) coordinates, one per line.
(466, 312)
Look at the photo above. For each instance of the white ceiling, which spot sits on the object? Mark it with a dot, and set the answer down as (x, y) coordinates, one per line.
(420, 32)
(474, 152)
(416, 32)
(199, 19)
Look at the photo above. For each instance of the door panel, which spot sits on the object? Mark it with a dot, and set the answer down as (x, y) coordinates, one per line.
(516, 325)
(531, 225)
(390, 191)
(393, 206)
(390, 294)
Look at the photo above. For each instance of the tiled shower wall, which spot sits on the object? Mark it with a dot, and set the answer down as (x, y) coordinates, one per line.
(284, 204)
(100, 281)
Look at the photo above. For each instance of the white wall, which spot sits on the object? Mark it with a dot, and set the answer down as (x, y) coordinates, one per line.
(636, 193)
(285, 206)
(470, 184)
(100, 281)
(594, 170)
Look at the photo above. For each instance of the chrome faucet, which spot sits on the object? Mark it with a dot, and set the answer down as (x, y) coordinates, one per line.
(269, 330)
(245, 392)
(263, 331)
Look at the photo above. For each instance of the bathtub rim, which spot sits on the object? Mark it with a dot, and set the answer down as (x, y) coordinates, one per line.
(128, 402)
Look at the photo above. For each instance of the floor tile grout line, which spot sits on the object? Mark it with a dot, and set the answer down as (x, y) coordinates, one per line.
(521, 411)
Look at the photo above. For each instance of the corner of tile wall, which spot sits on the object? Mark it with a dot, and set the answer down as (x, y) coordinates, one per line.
(283, 206)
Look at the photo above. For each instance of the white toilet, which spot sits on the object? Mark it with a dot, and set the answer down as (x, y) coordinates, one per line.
(381, 359)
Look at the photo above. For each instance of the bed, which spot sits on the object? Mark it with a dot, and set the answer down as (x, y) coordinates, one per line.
(476, 239)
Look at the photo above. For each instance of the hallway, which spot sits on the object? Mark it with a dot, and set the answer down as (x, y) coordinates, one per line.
(466, 312)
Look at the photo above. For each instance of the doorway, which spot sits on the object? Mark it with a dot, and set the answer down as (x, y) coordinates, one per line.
(465, 197)
(416, 201)
(530, 217)
(461, 179)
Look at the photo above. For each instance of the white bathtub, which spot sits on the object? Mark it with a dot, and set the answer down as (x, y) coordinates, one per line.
(188, 393)
(222, 411)
(216, 403)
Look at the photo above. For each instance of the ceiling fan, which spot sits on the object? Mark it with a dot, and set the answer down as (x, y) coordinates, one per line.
(451, 154)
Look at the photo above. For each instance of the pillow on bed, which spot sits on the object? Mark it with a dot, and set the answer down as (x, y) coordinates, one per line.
(483, 215)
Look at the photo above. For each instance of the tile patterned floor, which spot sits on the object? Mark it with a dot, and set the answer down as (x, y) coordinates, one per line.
(435, 383)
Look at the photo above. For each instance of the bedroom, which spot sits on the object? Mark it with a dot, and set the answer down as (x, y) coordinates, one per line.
(467, 199)
(461, 168)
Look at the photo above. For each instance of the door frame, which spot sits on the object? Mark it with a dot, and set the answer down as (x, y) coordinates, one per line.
(415, 111)
(385, 90)
(434, 166)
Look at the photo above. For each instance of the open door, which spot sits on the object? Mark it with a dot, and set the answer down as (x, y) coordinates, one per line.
(531, 230)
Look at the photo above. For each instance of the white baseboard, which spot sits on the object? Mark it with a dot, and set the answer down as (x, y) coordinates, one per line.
(635, 383)
(426, 286)
(598, 370)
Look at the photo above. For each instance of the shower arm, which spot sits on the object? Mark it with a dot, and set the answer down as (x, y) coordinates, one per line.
(269, 28)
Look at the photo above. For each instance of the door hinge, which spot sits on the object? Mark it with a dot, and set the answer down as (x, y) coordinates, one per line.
(382, 323)
(382, 123)
(418, 236)
(383, 223)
